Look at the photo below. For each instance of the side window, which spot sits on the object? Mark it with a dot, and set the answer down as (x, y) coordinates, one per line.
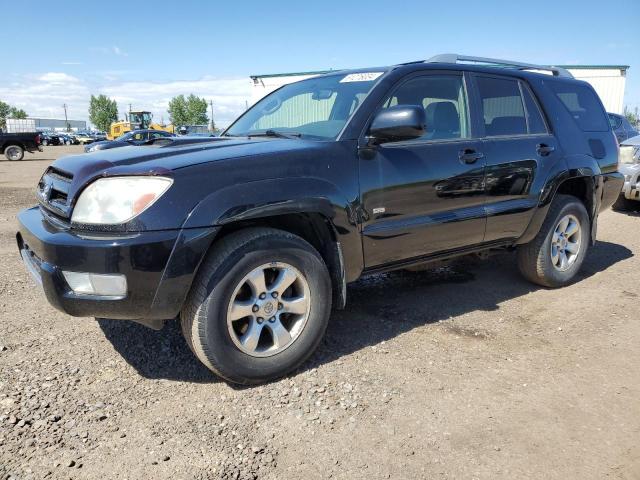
(444, 101)
(534, 116)
(502, 107)
(583, 105)
(615, 122)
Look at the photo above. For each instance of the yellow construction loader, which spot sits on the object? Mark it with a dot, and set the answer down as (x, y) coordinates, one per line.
(136, 121)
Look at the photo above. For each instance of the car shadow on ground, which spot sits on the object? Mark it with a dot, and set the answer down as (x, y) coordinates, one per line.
(379, 308)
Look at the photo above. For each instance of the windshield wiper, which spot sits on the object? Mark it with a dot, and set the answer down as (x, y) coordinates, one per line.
(274, 133)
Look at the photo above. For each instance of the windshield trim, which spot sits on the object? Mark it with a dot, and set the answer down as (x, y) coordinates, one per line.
(385, 71)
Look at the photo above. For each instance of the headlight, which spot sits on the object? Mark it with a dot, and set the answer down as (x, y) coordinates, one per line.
(116, 200)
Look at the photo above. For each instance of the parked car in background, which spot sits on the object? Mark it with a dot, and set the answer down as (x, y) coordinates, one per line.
(13, 145)
(621, 127)
(84, 138)
(65, 139)
(49, 138)
(629, 198)
(99, 136)
(251, 237)
(135, 137)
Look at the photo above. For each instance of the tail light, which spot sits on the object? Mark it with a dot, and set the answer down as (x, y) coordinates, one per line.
(38, 139)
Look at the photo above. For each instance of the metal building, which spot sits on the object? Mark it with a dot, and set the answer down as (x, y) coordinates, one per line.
(608, 80)
(59, 124)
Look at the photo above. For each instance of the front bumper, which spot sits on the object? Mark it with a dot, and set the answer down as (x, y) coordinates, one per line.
(631, 188)
(159, 266)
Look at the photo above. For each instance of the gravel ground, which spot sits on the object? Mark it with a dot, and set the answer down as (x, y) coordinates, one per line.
(466, 371)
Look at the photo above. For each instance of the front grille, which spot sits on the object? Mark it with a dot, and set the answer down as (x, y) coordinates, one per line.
(53, 191)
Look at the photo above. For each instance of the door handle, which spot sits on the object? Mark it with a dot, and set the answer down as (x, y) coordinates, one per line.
(544, 150)
(469, 155)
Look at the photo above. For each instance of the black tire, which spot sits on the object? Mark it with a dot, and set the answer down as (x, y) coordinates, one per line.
(534, 258)
(14, 153)
(623, 204)
(204, 316)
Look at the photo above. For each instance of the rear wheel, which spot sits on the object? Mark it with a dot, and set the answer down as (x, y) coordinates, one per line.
(14, 153)
(555, 255)
(259, 305)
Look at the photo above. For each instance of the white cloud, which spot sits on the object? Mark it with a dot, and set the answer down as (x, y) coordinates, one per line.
(228, 95)
(43, 95)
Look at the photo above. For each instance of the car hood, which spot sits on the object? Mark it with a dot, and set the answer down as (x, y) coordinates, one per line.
(633, 141)
(164, 158)
(106, 144)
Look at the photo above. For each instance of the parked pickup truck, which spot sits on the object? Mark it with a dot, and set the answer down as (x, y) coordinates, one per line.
(13, 145)
(252, 237)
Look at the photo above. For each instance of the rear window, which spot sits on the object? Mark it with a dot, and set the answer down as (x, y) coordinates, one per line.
(583, 104)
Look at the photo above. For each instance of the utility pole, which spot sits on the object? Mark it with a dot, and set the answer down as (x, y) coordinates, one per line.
(213, 124)
(66, 121)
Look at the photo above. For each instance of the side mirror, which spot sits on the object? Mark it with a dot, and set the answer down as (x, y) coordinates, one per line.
(401, 122)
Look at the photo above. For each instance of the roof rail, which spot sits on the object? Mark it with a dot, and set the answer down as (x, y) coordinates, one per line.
(455, 58)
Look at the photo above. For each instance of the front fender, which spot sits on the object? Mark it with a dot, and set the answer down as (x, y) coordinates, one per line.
(280, 196)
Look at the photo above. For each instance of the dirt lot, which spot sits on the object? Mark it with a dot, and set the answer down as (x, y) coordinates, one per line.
(466, 372)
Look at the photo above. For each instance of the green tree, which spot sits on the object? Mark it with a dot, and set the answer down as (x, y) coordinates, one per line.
(17, 113)
(633, 117)
(103, 112)
(7, 111)
(191, 110)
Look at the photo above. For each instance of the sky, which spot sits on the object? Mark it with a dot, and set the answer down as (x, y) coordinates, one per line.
(144, 53)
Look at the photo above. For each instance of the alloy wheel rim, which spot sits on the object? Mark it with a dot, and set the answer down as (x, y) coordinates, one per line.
(269, 309)
(14, 153)
(566, 242)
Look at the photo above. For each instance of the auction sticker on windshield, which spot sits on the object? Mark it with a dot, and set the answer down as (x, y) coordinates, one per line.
(361, 77)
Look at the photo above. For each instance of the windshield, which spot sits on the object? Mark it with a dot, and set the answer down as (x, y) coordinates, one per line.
(125, 137)
(317, 108)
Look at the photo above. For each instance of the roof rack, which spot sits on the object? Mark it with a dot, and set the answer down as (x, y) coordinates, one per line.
(455, 58)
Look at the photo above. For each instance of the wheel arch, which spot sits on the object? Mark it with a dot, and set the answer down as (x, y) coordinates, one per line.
(311, 208)
(584, 183)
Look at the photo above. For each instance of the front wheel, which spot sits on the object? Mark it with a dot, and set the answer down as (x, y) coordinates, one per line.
(555, 255)
(259, 306)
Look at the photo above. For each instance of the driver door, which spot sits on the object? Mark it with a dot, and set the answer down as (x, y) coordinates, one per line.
(425, 196)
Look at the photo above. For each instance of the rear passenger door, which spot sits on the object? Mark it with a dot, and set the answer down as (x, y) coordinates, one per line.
(517, 144)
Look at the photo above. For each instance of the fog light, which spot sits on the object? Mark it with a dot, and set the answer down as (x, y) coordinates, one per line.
(104, 285)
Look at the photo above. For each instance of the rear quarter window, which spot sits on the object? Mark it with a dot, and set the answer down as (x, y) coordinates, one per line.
(583, 105)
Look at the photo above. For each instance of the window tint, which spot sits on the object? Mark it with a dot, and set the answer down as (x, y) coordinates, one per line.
(534, 116)
(502, 107)
(444, 101)
(614, 121)
(583, 104)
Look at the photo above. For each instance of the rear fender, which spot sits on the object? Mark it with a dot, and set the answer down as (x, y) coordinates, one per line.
(577, 166)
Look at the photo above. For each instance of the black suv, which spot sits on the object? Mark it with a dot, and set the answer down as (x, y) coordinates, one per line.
(252, 237)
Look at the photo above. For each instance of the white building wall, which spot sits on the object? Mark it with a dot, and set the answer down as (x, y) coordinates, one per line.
(609, 83)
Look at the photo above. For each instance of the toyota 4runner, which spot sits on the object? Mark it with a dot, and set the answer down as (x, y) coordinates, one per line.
(251, 238)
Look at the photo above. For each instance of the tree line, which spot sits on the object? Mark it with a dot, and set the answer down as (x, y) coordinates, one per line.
(9, 111)
(191, 110)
